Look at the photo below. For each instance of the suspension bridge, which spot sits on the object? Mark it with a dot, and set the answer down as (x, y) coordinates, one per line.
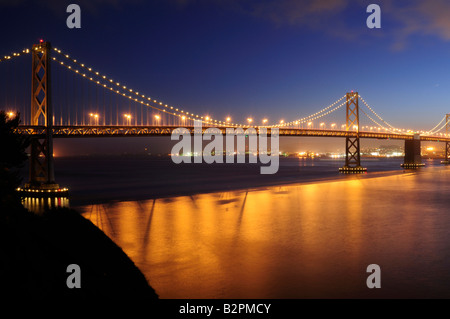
(78, 101)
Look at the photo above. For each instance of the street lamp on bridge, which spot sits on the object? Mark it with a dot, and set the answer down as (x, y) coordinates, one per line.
(128, 118)
(95, 117)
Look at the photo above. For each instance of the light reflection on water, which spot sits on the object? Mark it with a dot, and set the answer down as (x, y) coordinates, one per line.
(297, 241)
(38, 204)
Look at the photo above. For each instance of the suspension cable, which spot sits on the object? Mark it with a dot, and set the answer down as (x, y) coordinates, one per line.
(432, 131)
(173, 110)
(368, 106)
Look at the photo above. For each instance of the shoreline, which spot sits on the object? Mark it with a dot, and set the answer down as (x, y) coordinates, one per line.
(38, 249)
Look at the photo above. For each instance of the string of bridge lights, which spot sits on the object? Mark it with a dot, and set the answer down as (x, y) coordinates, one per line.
(440, 129)
(14, 55)
(171, 109)
(183, 117)
(368, 106)
(322, 115)
(379, 125)
(393, 129)
(432, 131)
(205, 119)
(315, 115)
(310, 118)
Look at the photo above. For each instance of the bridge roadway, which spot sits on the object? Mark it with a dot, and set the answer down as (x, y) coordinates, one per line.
(159, 130)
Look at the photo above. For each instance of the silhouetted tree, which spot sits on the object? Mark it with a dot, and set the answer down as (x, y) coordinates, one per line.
(12, 157)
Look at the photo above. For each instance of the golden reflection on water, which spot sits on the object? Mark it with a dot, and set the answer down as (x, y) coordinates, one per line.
(39, 205)
(296, 241)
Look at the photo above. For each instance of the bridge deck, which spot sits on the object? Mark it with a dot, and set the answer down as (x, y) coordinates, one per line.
(128, 131)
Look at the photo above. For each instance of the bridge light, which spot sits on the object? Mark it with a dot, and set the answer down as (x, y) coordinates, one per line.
(207, 118)
(228, 119)
(249, 120)
(183, 117)
(309, 123)
(282, 121)
(10, 114)
(264, 121)
(157, 117)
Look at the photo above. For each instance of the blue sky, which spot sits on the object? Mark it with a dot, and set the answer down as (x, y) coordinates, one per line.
(277, 59)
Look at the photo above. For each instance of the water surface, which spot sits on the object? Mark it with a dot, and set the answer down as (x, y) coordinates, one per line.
(298, 240)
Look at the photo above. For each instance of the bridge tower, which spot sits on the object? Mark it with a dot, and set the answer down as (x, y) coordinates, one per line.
(352, 148)
(42, 176)
(446, 161)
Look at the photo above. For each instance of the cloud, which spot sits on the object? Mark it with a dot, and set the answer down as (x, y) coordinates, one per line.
(405, 19)
(295, 12)
(417, 18)
(435, 18)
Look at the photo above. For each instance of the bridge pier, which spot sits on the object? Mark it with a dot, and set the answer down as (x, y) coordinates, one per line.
(413, 157)
(446, 161)
(42, 177)
(352, 148)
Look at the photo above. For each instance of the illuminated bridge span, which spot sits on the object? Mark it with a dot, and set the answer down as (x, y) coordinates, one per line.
(123, 131)
(72, 99)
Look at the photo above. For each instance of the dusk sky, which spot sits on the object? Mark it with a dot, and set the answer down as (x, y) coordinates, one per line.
(277, 59)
